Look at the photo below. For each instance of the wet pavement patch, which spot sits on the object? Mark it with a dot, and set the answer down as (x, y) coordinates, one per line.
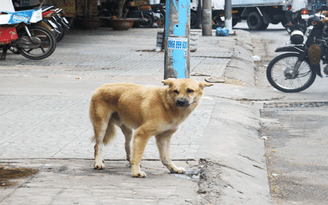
(10, 175)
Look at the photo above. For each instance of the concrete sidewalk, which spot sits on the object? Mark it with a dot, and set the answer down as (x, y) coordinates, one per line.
(44, 124)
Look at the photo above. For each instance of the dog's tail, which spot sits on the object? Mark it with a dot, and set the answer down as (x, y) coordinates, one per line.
(110, 133)
(98, 119)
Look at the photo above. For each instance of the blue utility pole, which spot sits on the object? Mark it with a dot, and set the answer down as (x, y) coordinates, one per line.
(177, 29)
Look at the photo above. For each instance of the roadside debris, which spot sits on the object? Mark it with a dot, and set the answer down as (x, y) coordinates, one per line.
(214, 79)
(256, 58)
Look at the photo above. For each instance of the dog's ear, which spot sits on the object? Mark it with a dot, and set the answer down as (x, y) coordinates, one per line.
(204, 84)
(168, 81)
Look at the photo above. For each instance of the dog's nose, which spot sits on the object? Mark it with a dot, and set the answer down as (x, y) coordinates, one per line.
(181, 103)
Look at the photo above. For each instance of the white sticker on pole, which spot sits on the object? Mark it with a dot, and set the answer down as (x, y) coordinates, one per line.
(178, 43)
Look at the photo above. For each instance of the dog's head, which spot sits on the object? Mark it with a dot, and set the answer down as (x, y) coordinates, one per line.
(186, 91)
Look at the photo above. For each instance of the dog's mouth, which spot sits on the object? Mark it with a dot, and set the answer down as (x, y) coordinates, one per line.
(182, 103)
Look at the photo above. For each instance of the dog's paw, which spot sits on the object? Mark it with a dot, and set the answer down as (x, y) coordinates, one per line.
(178, 170)
(181, 170)
(99, 165)
(139, 174)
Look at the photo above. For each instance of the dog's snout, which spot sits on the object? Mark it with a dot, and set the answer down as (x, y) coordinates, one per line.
(181, 103)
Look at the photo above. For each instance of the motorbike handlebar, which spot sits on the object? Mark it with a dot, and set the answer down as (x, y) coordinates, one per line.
(310, 17)
(315, 19)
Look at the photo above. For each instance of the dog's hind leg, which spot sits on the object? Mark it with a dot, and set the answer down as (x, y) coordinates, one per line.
(128, 136)
(103, 130)
(100, 131)
(105, 135)
(99, 136)
(163, 142)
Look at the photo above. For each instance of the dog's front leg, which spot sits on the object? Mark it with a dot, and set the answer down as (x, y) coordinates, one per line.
(140, 141)
(163, 142)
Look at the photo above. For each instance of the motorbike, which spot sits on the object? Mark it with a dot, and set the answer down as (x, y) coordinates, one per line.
(218, 19)
(159, 13)
(296, 21)
(144, 15)
(297, 69)
(54, 18)
(31, 40)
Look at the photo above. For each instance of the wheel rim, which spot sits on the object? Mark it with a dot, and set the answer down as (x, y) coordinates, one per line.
(280, 73)
(46, 43)
(253, 21)
(147, 22)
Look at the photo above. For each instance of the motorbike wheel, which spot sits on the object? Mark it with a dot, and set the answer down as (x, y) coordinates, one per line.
(59, 34)
(47, 45)
(147, 23)
(279, 77)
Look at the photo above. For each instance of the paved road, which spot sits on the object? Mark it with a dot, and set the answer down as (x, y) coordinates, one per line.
(297, 152)
(270, 39)
(295, 126)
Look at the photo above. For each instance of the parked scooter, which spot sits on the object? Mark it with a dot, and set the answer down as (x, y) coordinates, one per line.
(31, 40)
(54, 18)
(144, 15)
(296, 70)
(159, 13)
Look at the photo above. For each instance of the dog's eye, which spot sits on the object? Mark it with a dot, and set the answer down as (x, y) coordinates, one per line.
(176, 91)
(190, 90)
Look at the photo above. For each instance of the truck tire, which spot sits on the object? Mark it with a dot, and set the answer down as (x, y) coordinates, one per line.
(264, 26)
(255, 21)
(234, 22)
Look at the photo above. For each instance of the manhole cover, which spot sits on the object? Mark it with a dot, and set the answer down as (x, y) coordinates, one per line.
(295, 104)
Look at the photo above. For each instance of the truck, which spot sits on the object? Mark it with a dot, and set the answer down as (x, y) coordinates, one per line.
(258, 13)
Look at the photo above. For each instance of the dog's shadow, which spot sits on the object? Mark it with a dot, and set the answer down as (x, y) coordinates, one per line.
(152, 168)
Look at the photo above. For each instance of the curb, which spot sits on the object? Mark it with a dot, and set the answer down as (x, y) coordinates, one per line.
(233, 156)
(238, 69)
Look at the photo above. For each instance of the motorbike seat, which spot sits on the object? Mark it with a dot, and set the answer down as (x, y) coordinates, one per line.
(26, 8)
(44, 7)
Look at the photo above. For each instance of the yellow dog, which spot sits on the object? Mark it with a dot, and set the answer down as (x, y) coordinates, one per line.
(149, 111)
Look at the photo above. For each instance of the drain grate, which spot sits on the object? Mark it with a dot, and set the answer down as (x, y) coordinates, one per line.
(295, 104)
